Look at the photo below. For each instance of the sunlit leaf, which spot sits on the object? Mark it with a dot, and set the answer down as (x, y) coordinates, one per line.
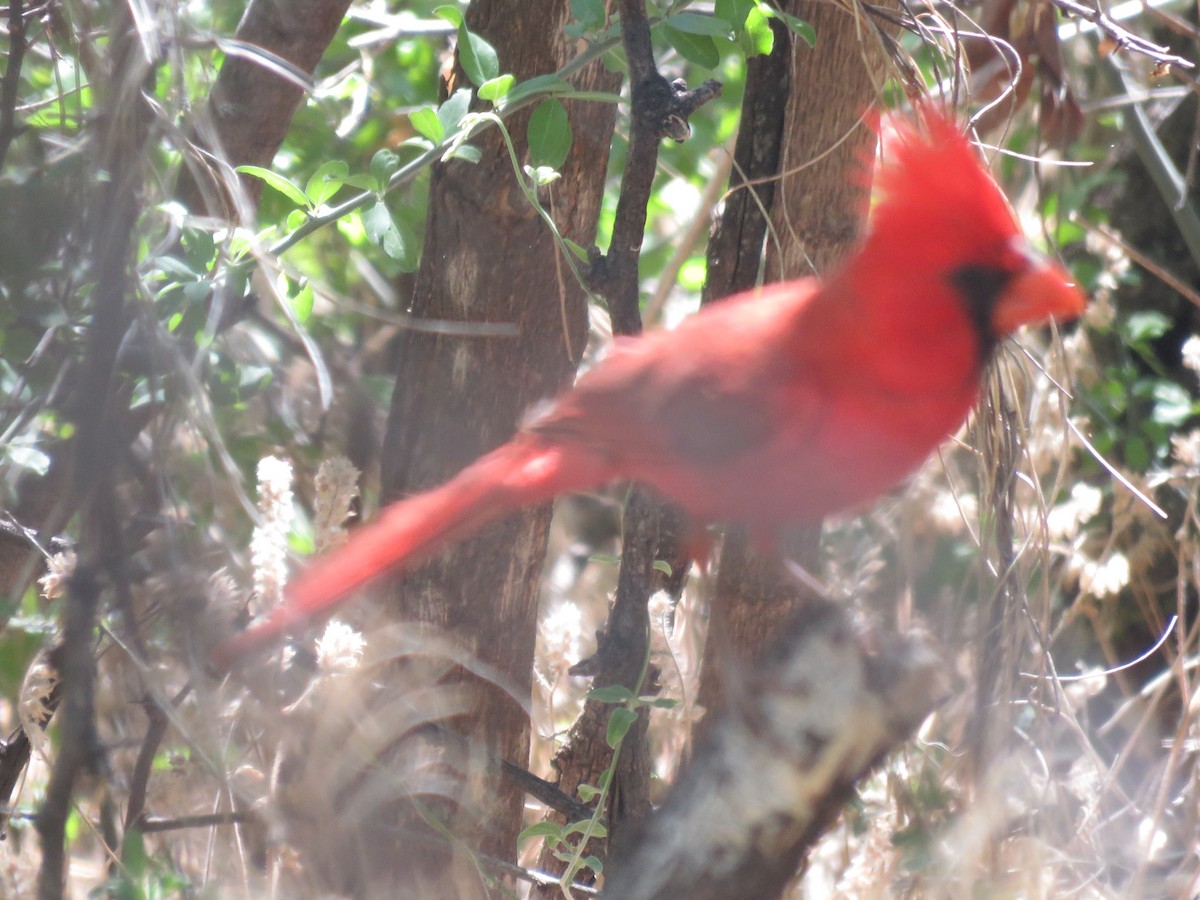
(497, 88)
(425, 120)
(326, 181)
(277, 182)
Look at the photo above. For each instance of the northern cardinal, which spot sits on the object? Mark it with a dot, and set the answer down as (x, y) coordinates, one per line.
(777, 406)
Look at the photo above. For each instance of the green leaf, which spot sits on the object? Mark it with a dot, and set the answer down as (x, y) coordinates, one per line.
(452, 111)
(695, 23)
(759, 33)
(613, 693)
(451, 14)
(383, 164)
(734, 11)
(302, 303)
(587, 792)
(174, 266)
(466, 152)
(661, 565)
(594, 863)
(478, 57)
(497, 88)
(1172, 404)
(549, 134)
(418, 143)
(542, 175)
(1137, 454)
(276, 181)
(589, 13)
(803, 30)
(199, 248)
(326, 181)
(1146, 325)
(576, 249)
(133, 854)
(426, 122)
(619, 722)
(695, 48)
(541, 829)
(658, 702)
(597, 828)
(383, 231)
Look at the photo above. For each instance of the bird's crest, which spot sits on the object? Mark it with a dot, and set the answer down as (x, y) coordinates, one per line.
(931, 177)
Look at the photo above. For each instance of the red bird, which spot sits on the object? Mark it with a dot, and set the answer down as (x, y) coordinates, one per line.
(777, 406)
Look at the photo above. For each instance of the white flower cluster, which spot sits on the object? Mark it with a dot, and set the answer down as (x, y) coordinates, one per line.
(268, 546)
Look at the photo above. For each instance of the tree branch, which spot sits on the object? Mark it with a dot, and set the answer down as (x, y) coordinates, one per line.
(776, 767)
(11, 82)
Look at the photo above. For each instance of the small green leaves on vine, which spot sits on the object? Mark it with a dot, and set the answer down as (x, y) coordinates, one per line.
(476, 56)
(758, 39)
(549, 134)
(302, 302)
(276, 182)
(552, 831)
(699, 49)
(541, 175)
(496, 89)
(388, 234)
(326, 181)
(451, 113)
(590, 15)
(427, 124)
(659, 702)
(612, 693)
(619, 723)
(800, 28)
(383, 164)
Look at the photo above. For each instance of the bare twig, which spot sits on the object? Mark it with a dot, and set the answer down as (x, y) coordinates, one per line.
(1123, 36)
(135, 811)
(1162, 170)
(11, 81)
(112, 216)
(658, 109)
(79, 749)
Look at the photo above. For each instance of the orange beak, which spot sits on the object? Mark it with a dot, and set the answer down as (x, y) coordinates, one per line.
(1042, 292)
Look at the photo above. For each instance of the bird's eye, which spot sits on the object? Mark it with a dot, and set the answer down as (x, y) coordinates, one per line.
(980, 287)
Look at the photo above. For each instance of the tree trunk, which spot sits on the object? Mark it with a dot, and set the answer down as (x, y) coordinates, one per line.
(489, 258)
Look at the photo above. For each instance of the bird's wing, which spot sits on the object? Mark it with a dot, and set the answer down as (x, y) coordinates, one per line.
(706, 393)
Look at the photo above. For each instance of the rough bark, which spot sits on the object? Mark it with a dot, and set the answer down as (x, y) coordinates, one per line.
(488, 258)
